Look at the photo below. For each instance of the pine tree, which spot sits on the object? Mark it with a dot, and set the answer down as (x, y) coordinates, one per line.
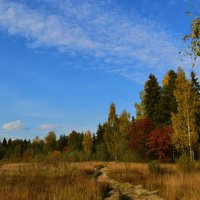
(151, 97)
(184, 121)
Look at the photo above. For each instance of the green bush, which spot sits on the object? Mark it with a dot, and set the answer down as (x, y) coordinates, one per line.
(130, 156)
(154, 167)
(101, 153)
(54, 156)
(185, 164)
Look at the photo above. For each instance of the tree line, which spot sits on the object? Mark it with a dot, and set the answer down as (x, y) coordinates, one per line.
(166, 126)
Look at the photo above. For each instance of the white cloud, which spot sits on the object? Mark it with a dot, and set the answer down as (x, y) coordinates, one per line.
(122, 44)
(45, 127)
(13, 126)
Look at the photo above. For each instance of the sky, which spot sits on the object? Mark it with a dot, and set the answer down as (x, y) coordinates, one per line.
(62, 62)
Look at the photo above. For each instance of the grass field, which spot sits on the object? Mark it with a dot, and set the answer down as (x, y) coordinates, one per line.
(47, 182)
(63, 180)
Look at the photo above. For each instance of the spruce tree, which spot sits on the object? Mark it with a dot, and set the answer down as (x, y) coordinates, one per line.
(167, 103)
(195, 84)
(151, 96)
(100, 134)
(196, 89)
(4, 143)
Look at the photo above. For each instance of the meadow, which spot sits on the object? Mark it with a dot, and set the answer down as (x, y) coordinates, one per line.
(47, 182)
(75, 181)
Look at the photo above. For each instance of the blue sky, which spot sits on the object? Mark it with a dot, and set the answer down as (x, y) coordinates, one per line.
(64, 61)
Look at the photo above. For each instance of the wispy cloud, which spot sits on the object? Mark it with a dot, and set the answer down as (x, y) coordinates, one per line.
(13, 126)
(123, 44)
(48, 127)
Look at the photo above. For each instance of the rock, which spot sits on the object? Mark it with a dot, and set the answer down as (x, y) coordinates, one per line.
(126, 190)
(114, 195)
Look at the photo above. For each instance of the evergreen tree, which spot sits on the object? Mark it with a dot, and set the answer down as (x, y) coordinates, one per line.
(100, 134)
(167, 103)
(9, 143)
(151, 97)
(196, 89)
(62, 142)
(4, 143)
(94, 140)
(184, 121)
(101, 148)
(2, 151)
(195, 84)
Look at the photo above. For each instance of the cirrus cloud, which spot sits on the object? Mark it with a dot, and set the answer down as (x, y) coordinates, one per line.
(113, 41)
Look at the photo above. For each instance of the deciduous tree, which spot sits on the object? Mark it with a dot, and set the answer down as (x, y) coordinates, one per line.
(50, 142)
(140, 108)
(184, 121)
(139, 131)
(159, 142)
(111, 135)
(87, 143)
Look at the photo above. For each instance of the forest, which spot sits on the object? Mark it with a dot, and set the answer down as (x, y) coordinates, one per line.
(166, 126)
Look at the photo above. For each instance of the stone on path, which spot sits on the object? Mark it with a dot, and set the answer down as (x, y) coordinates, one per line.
(126, 190)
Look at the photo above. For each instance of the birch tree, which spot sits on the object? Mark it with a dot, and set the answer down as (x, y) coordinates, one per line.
(184, 121)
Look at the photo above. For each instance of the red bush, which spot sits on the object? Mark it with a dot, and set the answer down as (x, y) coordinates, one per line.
(159, 142)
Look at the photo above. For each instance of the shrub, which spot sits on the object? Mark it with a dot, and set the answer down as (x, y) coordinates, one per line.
(185, 164)
(130, 156)
(154, 167)
(54, 156)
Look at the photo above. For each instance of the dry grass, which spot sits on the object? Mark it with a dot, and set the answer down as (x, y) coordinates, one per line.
(182, 186)
(47, 182)
(61, 181)
(173, 184)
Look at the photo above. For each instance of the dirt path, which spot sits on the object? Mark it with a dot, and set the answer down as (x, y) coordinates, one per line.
(126, 191)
